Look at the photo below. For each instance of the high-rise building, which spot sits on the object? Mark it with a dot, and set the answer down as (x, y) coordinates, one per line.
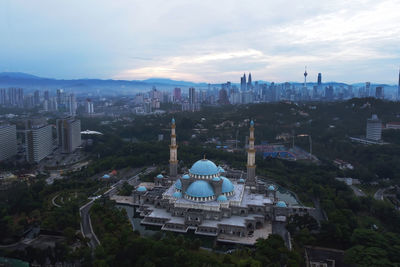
(39, 142)
(46, 95)
(3, 96)
(223, 97)
(89, 106)
(8, 141)
(374, 128)
(192, 95)
(72, 105)
(243, 84)
(36, 97)
(249, 83)
(319, 80)
(379, 92)
(177, 94)
(69, 134)
(367, 89)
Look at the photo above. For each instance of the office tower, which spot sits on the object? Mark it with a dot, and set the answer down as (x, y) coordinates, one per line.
(36, 98)
(8, 141)
(60, 96)
(319, 80)
(243, 85)
(367, 89)
(315, 92)
(72, 105)
(223, 97)
(379, 92)
(177, 94)
(53, 105)
(39, 142)
(45, 105)
(3, 96)
(249, 83)
(329, 92)
(192, 95)
(305, 77)
(46, 95)
(68, 134)
(374, 128)
(89, 106)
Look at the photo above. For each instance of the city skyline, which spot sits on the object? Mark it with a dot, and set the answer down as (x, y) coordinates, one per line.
(347, 42)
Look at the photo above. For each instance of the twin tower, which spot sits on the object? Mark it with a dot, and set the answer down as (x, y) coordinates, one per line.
(251, 156)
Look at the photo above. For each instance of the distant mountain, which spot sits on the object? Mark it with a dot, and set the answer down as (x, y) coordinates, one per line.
(18, 75)
(173, 82)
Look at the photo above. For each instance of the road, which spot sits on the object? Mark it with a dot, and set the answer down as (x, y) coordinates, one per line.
(86, 225)
(379, 194)
(357, 191)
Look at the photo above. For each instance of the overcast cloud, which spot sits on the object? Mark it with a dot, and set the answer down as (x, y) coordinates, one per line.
(207, 41)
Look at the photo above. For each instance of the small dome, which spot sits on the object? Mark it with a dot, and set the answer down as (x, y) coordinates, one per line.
(173, 121)
(204, 167)
(216, 179)
(200, 188)
(271, 188)
(160, 176)
(227, 185)
(281, 204)
(177, 195)
(178, 184)
(221, 170)
(252, 123)
(141, 189)
(241, 180)
(186, 176)
(106, 176)
(222, 198)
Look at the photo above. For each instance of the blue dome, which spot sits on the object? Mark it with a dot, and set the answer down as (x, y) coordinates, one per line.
(204, 167)
(178, 184)
(252, 123)
(227, 185)
(200, 188)
(222, 198)
(271, 187)
(141, 189)
(177, 195)
(241, 180)
(216, 179)
(160, 176)
(220, 169)
(281, 204)
(185, 176)
(173, 121)
(106, 176)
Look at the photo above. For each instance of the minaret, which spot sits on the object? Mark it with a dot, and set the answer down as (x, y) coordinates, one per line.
(398, 88)
(251, 159)
(173, 154)
(305, 77)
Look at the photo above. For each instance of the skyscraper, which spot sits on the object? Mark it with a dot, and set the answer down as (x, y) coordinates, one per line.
(374, 128)
(8, 141)
(367, 89)
(319, 80)
(89, 106)
(39, 142)
(379, 92)
(72, 105)
(68, 134)
(177, 94)
(249, 83)
(243, 84)
(36, 97)
(192, 96)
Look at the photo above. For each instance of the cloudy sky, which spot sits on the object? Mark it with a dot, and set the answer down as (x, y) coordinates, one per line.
(207, 40)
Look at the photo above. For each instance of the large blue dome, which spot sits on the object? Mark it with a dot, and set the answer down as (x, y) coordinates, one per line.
(227, 185)
(204, 167)
(178, 184)
(200, 188)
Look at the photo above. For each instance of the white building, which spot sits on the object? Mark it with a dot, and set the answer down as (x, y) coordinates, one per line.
(8, 141)
(374, 128)
(39, 142)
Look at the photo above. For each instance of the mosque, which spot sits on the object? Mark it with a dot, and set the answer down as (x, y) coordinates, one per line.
(212, 201)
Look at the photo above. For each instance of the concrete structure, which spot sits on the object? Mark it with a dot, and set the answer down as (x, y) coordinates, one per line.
(173, 154)
(69, 134)
(374, 128)
(39, 142)
(251, 160)
(8, 141)
(206, 201)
